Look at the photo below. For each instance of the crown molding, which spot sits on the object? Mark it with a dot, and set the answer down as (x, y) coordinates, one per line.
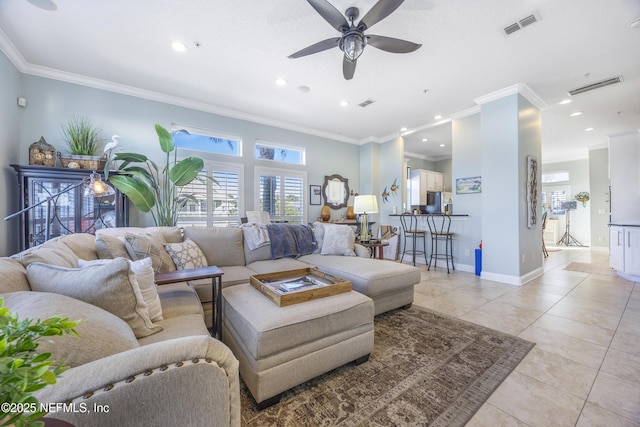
(466, 113)
(520, 88)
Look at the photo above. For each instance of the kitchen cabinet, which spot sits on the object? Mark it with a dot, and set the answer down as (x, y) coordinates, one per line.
(69, 213)
(624, 249)
(422, 181)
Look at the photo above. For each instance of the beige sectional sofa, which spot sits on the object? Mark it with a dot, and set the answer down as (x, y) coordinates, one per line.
(179, 373)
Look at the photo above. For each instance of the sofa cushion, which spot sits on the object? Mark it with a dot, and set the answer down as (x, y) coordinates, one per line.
(142, 246)
(145, 277)
(338, 240)
(101, 333)
(178, 327)
(110, 247)
(111, 286)
(368, 276)
(275, 265)
(52, 252)
(260, 254)
(14, 276)
(222, 246)
(186, 254)
(168, 234)
(81, 244)
(178, 299)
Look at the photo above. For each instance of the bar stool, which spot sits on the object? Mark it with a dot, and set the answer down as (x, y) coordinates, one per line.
(439, 227)
(410, 231)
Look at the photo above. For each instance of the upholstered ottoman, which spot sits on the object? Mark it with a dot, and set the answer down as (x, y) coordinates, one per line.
(281, 347)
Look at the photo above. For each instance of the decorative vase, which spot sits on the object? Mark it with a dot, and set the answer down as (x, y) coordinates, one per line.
(350, 213)
(325, 214)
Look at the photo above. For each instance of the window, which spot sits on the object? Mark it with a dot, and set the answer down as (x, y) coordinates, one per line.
(209, 141)
(553, 197)
(281, 193)
(554, 177)
(279, 153)
(218, 200)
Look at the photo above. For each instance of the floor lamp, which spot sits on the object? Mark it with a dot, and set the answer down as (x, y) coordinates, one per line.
(365, 205)
(94, 187)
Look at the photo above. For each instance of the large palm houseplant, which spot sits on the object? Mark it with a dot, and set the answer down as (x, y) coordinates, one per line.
(152, 189)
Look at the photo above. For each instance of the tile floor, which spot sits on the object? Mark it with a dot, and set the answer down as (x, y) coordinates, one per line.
(585, 367)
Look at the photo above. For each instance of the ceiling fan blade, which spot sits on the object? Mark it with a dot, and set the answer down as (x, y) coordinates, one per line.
(317, 47)
(330, 14)
(348, 68)
(390, 44)
(378, 12)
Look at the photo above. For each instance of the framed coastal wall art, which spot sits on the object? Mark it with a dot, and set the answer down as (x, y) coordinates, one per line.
(469, 185)
(315, 195)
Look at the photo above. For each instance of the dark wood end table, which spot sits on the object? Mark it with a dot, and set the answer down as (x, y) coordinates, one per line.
(212, 272)
(375, 247)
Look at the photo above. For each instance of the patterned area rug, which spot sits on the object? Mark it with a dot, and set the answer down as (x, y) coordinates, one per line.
(426, 369)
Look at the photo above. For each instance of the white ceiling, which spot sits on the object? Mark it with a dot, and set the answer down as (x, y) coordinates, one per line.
(124, 45)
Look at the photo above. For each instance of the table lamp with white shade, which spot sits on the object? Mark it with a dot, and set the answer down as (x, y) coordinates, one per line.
(365, 205)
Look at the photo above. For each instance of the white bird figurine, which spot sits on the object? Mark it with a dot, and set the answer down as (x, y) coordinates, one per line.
(108, 148)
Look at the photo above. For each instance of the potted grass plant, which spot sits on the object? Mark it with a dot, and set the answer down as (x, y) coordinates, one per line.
(161, 191)
(83, 138)
(23, 370)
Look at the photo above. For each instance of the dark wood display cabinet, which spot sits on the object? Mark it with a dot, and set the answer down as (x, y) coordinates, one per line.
(71, 212)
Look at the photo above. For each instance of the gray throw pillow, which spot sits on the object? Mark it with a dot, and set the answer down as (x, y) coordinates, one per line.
(140, 246)
(101, 333)
(111, 286)
(145, 277)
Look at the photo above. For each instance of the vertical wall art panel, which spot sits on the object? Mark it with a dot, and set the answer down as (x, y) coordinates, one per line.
(532, 191)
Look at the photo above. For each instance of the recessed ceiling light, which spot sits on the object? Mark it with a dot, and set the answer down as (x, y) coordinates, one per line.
(424, 139)
(344, 103)
(437, 117)
(304, 89)
(403, 129)
(635, 24)
(179, 46)
(565, 101)
(588, 129)
(281, 82)
(441, 145)
(577, 113)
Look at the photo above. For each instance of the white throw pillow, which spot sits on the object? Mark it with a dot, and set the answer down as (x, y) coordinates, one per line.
(186, 254)
(338, 240)
(318, 232)
(145, 278)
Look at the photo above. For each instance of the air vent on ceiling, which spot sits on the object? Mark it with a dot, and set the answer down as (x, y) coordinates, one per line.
(524, 22)
(596, 85)
(366, 103)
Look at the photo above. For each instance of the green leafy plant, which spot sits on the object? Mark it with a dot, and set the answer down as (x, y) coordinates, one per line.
(582, 197)
(22, 369)
(81, 135)
(155, 190)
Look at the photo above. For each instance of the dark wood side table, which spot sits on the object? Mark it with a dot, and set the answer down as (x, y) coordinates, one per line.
(375, 247)
(212, 272)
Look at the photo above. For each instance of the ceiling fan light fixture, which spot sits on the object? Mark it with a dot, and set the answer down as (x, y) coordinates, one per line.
(353, 45)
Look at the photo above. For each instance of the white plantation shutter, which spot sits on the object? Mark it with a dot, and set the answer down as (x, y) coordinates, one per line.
(281, 193)
(219, 203)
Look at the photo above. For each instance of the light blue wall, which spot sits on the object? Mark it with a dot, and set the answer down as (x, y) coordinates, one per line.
(511, 130)
(467, 150)
(10, 151)
(52, 102)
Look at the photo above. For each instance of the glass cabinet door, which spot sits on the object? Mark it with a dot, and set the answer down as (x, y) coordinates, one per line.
(64, 208)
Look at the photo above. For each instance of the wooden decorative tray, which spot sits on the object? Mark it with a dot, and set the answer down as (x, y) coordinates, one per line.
(296, 286)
